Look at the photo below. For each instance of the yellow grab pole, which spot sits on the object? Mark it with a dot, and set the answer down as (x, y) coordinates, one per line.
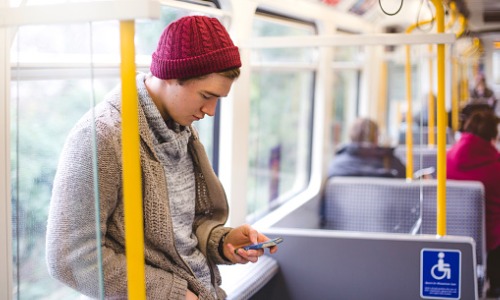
(132, 192)
(430, 105)
(454, 94)
(465, 84)
(441, 122)
(453, 16)
(409, 112)
(409, 117)
(463, 25)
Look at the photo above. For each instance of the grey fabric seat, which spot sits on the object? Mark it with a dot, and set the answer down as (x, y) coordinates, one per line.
(423, 157)
(371, 204)
(420, 135)
(395, 206)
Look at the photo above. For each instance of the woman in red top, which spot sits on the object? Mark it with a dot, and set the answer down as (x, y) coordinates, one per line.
(474, 157)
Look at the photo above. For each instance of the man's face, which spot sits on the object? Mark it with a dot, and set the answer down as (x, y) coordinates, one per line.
(193, 99)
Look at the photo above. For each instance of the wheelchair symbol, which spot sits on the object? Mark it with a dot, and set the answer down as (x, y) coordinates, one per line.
(441, 269)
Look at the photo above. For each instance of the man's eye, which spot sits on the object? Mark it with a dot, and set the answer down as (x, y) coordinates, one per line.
(205, 96)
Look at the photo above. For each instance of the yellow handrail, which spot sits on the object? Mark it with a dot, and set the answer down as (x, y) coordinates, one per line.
(454, 94)
(453, 16)
(409, 118)
(431, 105)
(132, 192)
(463, 25)
(441, 122)
(409, 110)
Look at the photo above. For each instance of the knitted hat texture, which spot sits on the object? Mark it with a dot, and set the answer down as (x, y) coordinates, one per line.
(194, 46)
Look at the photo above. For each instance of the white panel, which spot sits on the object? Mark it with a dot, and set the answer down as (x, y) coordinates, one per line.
(350, 40)
(5, 216)
(80, 12)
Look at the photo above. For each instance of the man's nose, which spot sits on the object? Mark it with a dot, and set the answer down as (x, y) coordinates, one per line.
(210, 106)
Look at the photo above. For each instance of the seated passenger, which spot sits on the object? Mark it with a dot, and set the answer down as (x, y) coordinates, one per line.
(474, 157)
(481, 92)
(364, 157)
(471, 107)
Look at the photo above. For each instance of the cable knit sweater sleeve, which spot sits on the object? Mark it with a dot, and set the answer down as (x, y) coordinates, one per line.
(72, 255)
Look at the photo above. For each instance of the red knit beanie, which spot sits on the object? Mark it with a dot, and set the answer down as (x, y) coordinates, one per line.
(194, 46)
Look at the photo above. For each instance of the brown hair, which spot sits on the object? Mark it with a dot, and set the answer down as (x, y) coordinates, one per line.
(483, 123)
(364, 130)
(233, 73)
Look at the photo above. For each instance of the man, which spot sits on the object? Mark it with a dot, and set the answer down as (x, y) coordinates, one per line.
(185, 207)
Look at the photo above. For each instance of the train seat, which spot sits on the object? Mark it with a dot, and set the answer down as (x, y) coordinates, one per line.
(465, 211)
(331, 264)
(393, 206)
(242, 281)
(370, 204)
(423, 157)
(420, 135)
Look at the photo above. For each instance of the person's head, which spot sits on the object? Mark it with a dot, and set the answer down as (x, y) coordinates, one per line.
(195, 64)
(483, 123)
(364, 130)
(480, 84)
(479, 79)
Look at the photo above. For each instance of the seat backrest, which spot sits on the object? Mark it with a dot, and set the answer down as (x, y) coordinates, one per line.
(423, 157)
(420, 135)
(465, 211)
(394, 205)
(370, 204)
(341, 265)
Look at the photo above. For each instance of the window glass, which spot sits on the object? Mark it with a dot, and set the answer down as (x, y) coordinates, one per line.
(57, 74)
(42, 113)
(345, 104)
(280, 120)
(397, 100)
(347, 66)
(268, 27)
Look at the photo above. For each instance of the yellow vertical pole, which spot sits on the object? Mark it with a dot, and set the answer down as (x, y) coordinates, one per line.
(409, 112)
(454, 94)
(132, 192)
(465, 84)
(463, 25)
(409, 117)
(441, 122)
(430, 105)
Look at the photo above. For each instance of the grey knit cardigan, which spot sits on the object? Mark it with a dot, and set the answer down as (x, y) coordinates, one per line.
(71, 250)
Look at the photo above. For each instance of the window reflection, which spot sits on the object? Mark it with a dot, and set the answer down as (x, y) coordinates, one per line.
(280, 118)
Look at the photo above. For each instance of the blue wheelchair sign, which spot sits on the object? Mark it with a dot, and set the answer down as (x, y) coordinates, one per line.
(440, 273)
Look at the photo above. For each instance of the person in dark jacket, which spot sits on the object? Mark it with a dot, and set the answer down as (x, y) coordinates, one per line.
(481, 91)
(474, 157)
(364, 157)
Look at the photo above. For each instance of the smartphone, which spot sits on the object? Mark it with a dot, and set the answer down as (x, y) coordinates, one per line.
(266, 244)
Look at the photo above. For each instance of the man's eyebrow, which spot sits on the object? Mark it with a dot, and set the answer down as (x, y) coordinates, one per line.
(213, 94)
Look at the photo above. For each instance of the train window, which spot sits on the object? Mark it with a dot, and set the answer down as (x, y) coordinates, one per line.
(280, 117)
(397, 99)
(265, 26)
(347, 68)
(58, 73)
(345, 103)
